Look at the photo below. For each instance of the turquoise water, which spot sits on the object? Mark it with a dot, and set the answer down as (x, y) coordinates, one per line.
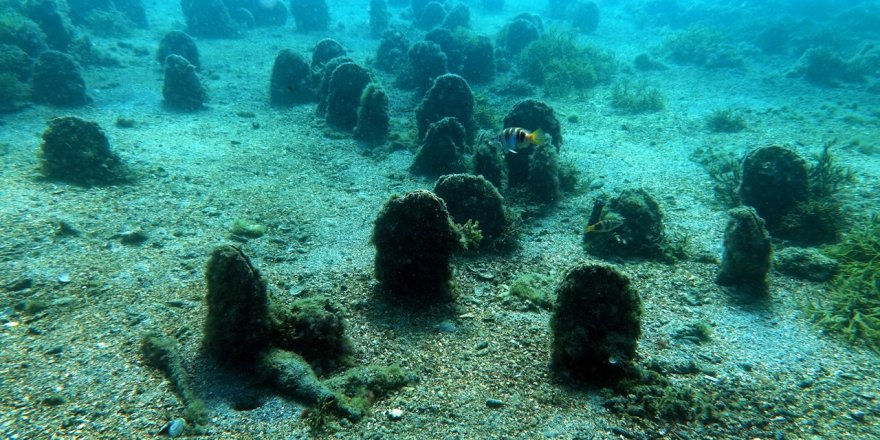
(262, 219)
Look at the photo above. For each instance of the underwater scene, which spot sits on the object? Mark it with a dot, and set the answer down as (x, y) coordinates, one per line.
(440, 219)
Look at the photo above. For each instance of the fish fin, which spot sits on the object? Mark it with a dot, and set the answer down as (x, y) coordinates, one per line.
(511, 151)
(539, 137)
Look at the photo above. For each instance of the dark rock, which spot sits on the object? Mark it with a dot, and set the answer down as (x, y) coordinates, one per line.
(178, 43)
(805, 263)
(391, 56)
(237, 327)
(774, 180)
(442, 149)
(470, 197)
(291, 81)
(373, 119)
(595, 325)
(415, 239)
(182, 88)
(310, 15)
(449, 96)
(346, 86)
(747, 251)
(208, 18)
(57, 80)
(77, 151)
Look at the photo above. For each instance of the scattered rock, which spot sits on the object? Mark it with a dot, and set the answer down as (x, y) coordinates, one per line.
(805, 263)
(494, 403)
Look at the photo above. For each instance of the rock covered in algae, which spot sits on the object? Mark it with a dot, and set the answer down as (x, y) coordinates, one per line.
(237, 326)
(415, 240)
(747, 252)
(596, 324)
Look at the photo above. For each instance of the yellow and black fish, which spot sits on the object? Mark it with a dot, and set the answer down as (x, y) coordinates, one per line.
(606, 225)
(515, 138)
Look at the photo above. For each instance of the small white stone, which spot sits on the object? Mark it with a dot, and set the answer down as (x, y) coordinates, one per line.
(395, 414)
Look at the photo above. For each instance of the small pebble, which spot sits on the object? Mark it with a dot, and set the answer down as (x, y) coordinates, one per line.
(64, 278)
(857, 415)
(394, 414)
(446, 326)
(133, 237)
(173, 428)
(19, 284)
(494, 403)
(482, 345)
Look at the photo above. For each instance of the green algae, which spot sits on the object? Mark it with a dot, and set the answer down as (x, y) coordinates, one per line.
(852, 306)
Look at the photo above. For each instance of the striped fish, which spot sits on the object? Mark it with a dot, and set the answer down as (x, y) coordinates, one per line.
(515, 138)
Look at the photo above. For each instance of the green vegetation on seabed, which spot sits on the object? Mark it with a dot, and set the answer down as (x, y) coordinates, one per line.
(852, 306)
(725, 121)
(562, 66)
(636, 98)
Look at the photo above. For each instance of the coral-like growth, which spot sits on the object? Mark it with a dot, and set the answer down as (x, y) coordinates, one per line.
(522, 31)
(427, 62)
(51, 18)
(532, 115)
(822, 66)
(852, 306)
(473, 198)
(77, 151)
(478, 65)
(442, 149)
(178, 43)
(310, 15)
(543, 182)
(584, 16)
(324, 51)
(450, 96)
(596, 324)
(415, 239)
(638, 227)
(747, 252)
(391, 56)
(324, 75)
(774, 181)
(13, 93)
(372, 116)
(313, 328)
(379, 17)
(489, 163)
(57, 80)
(208, 18)
(346, 86)
(636, 98)
(558, 63)
(18, 30)
(291, 81)
(182, 88)
(237, 328)
(457, 17)
(432, 15)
